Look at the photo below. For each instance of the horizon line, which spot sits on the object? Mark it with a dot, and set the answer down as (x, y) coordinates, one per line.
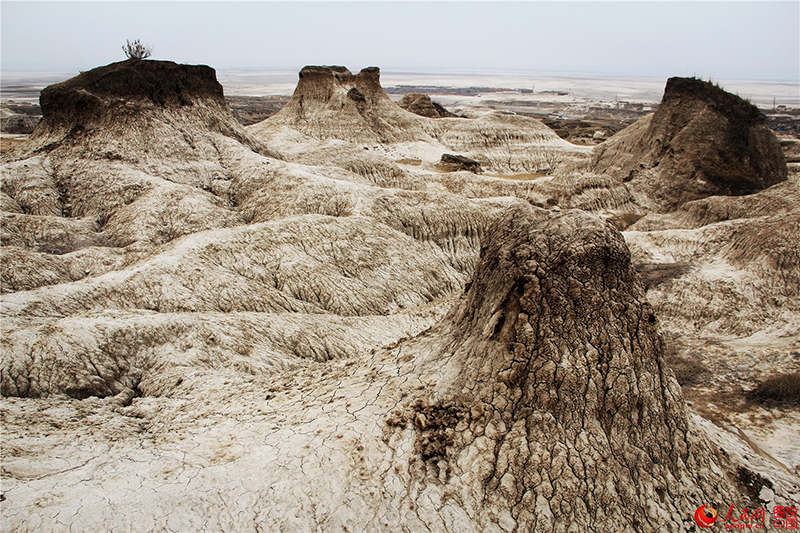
(430, 71)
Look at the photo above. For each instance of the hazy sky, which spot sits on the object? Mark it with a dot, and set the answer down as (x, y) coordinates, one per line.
(744, 40)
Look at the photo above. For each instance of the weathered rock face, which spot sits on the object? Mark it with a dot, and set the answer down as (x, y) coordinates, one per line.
(318, 84)
(79, 100)
(108, 100)
(422, 105)
(702, 141)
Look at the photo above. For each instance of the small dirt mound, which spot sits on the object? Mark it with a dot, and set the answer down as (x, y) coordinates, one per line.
(422, 105)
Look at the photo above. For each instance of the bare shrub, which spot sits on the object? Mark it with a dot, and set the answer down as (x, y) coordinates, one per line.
(338, 206)
(137, 50)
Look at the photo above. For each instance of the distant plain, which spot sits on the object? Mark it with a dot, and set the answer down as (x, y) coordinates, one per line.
(25, 86)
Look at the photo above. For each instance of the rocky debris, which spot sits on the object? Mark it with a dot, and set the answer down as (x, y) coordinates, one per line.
(422, 105)
(454, 163)
(702, 141)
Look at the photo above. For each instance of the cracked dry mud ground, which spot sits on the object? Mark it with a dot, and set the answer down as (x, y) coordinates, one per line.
(287, 328)
(483, 423)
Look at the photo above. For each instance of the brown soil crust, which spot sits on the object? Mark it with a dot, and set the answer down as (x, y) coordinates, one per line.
(162, 83)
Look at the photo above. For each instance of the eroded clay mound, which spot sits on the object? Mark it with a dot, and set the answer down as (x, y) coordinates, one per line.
(724, 265)
(257, 306)
(553, 403)
(123, 147)
(160, 82)
(110, 97)
(702, 141)
(313, 264)
(333, 103)
(422, 105)
(777, 201)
